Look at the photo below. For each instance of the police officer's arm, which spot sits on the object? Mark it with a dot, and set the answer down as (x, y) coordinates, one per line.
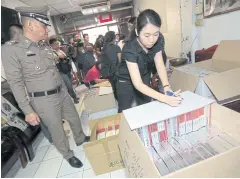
(139, 85)
(15, 79)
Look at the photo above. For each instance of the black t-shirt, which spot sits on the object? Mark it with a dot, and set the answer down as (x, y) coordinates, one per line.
(133, 52)
(111, 50)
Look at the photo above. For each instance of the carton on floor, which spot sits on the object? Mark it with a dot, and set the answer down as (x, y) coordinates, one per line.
(136, 156)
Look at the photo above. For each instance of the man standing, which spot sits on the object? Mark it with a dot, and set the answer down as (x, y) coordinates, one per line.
(15, 31)
(31, 64)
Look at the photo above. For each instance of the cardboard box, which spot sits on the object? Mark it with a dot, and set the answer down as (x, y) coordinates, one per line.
(104, 84)
(103, 154)
(219, 77)
(95, 106)
(139, 163)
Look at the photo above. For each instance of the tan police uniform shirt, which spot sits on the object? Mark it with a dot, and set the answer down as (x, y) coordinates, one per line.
(32, 65)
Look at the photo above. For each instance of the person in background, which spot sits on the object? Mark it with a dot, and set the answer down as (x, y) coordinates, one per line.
(87, 45)
(121, 41)
(15, 30)
(143, 48)
(64, 66)
(99, 43)
(93, 75)
(111, 56)
(117, 39)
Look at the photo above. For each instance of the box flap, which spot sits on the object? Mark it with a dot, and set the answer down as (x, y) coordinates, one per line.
(183, 81)
(99, 103)
(226, 120)
(106, 84)
(156, 111)
(105, 90)
(135, 157)
(225, 165)
(216, 65)
(224, 85)
(104, 155)
(228, 50)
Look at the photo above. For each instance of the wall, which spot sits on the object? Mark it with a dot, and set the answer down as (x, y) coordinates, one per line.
(12, 4)
(217, 28)
(171, 29)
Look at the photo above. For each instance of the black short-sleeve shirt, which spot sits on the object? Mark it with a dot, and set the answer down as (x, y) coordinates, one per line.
(133, 52)
(111, 51)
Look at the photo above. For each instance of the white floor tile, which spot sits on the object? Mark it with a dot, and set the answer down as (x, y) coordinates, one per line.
(44, 142)
(90, 174)
(73, 175)
(52, 153)
(87, 164)
(49, 168)
(28, 172)
(80, 154)
(66, 169)
(39, 154)
(119, 174)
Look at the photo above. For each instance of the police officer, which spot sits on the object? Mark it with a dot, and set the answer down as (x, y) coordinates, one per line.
(32, 64)
(15, 31)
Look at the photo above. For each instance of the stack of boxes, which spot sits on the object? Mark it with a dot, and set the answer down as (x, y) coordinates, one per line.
(175, 127)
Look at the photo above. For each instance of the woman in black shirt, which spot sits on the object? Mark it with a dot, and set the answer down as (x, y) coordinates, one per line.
(141, 51)
(111, 56)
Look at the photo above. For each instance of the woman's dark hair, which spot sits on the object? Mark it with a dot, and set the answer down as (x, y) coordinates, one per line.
(52, 40)
(147, 16)
(97, 64)
(108, 38)
(121, 37)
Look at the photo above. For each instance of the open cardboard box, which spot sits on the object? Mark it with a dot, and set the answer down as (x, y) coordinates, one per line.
(103, 155)
(222, 85)
(138, 163)
(95, 106)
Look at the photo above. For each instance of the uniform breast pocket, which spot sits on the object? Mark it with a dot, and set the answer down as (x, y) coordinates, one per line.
(30, 64)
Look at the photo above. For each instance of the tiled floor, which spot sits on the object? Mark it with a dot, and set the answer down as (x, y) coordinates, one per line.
(49, 163)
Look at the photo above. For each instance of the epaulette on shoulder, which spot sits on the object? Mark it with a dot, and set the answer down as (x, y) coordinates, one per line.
(11, 42)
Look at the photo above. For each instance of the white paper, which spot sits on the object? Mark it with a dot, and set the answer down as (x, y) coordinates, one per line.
(156, 111)
(105, 90)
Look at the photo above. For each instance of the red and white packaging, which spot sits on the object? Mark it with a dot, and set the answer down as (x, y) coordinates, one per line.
(202, 118)
(189, 124)
(154, 134)
(162, 130)
(140, 133)
(172, 127)
(207, 112)
(146, 138)
(195, 120)
(101, 131)
(181, 125)
(110, 129)
(150, 133)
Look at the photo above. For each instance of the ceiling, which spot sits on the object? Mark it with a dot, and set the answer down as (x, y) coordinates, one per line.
(66, 6)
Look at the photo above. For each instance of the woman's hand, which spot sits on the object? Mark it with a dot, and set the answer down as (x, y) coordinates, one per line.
(172, 100)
